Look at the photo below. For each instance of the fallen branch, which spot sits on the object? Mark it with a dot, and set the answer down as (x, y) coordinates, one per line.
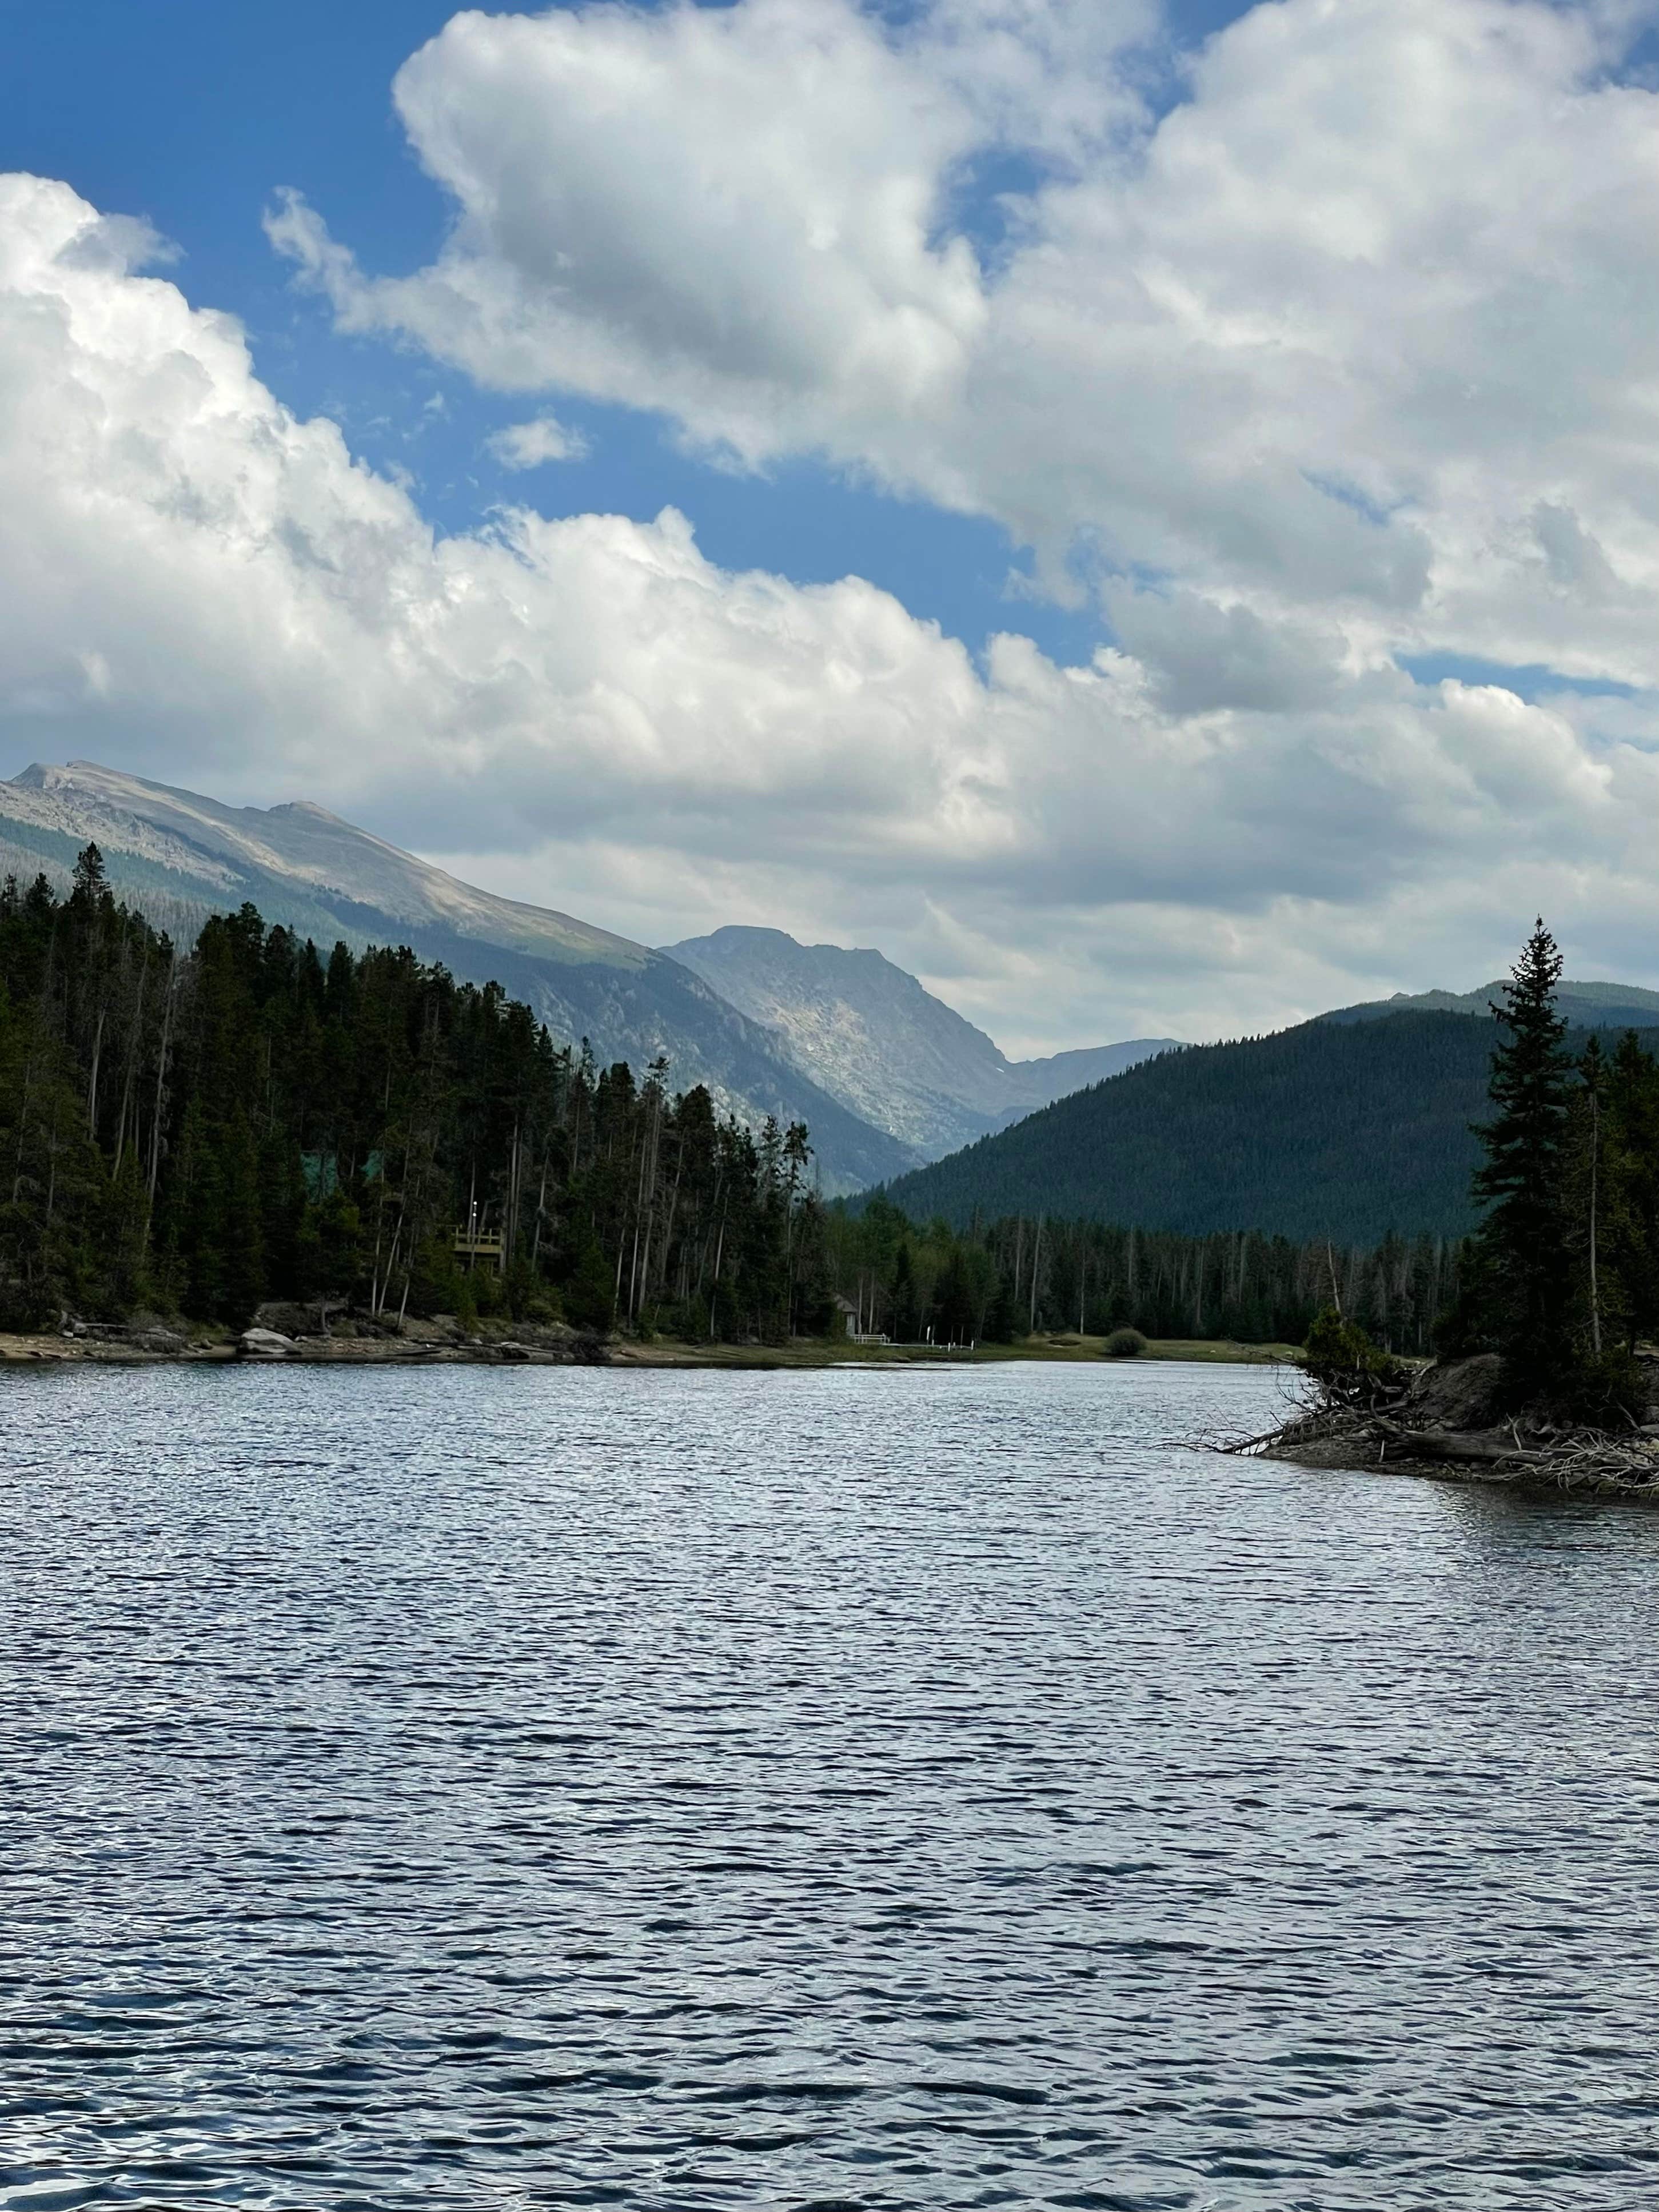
(1452, 1443)
(1585, 1459)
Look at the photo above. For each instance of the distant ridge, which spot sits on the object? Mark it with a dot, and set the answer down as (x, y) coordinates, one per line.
(1586, 1005)
(300, 848)
(874, 1037)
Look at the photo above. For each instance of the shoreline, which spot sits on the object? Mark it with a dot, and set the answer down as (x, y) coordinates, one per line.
(1448, 1425)
(1531, 1481)
(498, 1346)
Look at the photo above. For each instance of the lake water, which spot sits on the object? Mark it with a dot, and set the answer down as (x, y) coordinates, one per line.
(937, 1787)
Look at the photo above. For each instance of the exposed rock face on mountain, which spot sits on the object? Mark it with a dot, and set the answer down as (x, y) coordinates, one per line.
(181, 857)
(178, 843)
(889, 1051)
(885, 1075)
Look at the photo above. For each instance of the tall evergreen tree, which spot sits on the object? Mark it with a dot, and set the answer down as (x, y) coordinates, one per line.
(1630, 1151)
(1524, 1279)
(1591, 1195)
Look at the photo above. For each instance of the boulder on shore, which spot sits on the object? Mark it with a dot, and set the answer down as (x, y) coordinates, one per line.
(1458, 1394)
(265, 1344)
(164, 1342)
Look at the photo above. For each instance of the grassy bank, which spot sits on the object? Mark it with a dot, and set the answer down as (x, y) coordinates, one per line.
(1066, 1347)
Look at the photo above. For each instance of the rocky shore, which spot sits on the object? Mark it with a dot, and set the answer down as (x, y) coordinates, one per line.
(285, 1333)
(282, 1333)
(1446, 1423)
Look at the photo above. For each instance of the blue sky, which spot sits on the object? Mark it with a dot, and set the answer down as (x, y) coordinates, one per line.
(193, 113)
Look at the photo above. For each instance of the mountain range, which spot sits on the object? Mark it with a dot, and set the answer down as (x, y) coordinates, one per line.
(883, 1046)
(885, 1075)
(1347, 1126)
(181, 857)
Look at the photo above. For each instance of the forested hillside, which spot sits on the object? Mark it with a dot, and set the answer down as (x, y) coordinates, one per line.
(200, 1132)
(1340, 1130)
(193, 1134)
(180, 856)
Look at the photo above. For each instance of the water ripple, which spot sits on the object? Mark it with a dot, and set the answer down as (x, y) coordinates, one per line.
(852, 1790)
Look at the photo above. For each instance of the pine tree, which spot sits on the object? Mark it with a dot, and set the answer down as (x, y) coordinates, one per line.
(124, 1217)
(1524, 1281)
(906, 1324)
(1631, 1153)
(953, 1301)
(90, 882)
(1589, 1199)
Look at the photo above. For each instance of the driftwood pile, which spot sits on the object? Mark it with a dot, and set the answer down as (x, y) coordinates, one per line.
(1444, 1421)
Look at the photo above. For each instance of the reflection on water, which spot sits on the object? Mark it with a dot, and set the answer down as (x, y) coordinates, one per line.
(843, 1790)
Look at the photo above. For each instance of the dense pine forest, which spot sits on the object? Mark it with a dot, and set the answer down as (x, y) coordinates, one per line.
(1331, 1130)
(194, 1132)
(1546, 1366)
(1024, 1275)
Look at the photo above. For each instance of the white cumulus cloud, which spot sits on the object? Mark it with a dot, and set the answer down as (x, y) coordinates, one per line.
(531, 445)
(198, 585)
(1364, 323)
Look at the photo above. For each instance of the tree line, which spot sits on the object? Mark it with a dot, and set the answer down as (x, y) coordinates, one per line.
(198, 1130)
(1023, 1275)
